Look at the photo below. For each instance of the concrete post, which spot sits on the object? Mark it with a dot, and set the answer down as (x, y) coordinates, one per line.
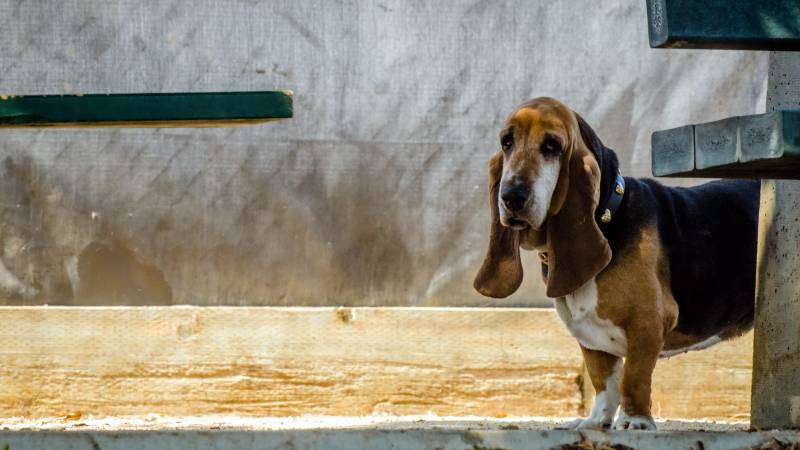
(776, 356)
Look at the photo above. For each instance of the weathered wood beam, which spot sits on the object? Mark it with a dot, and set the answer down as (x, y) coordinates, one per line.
(724, 24)
(755, 146)
(212, 109)
(190, 361)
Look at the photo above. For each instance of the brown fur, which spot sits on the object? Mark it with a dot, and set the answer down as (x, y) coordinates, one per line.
(600, 366)
(501, 272)
(572, 262)
(647, 313)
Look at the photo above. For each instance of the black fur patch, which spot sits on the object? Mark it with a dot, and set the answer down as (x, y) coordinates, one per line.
(709, 234)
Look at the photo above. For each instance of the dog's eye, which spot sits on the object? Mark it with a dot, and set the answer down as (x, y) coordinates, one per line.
(507, 142)
(551, 147)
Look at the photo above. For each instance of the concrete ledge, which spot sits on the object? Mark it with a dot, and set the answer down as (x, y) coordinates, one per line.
(408, 435)
(754, 146)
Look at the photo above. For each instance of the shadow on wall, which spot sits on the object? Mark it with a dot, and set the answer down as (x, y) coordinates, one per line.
(37, 268)
(109, 273)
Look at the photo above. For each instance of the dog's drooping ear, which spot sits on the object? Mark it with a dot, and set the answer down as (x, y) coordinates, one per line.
(501, 272)
(577, 249)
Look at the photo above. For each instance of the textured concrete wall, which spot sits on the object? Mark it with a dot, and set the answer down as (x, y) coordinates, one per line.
(776, 351)
(373, 194)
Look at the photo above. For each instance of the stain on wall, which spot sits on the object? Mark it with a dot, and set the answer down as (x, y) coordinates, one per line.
(109, 272)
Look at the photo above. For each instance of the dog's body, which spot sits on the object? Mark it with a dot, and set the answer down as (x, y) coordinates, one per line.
(708, 236)
(668, 270)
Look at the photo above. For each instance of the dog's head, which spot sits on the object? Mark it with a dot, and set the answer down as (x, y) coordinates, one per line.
(544, 186)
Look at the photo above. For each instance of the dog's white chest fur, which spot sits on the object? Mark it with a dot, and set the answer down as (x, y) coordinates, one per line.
(578, 311)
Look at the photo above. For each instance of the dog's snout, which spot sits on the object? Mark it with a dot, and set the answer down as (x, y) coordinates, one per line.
(514, 197)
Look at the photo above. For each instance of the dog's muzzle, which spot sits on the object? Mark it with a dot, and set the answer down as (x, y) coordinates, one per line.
(514, 198)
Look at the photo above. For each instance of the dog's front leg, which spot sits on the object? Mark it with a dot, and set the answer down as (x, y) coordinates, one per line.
(644, 345)
(604, 370)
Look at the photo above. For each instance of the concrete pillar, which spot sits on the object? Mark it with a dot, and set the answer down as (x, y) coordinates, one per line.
(776, 356)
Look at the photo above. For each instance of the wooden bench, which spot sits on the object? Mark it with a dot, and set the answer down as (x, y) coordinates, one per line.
(766, 147)
(755, 146)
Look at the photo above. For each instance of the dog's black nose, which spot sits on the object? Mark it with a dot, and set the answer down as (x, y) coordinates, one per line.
(514, 197)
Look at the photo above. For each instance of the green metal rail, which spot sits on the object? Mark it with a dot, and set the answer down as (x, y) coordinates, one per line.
(145, 110)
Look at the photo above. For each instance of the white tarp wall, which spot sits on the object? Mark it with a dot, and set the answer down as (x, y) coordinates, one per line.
(374, 194)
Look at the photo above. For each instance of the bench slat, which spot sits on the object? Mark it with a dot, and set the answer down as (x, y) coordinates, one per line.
(145, 110)
(754, 146)
(724, 24)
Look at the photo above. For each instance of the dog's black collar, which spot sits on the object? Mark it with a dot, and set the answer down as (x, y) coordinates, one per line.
(606, 213)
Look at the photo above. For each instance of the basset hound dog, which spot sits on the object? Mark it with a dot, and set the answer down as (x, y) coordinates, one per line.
(638, 270)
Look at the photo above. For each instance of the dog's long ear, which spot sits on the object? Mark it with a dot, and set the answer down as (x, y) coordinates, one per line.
(577, 249)
(501, 272)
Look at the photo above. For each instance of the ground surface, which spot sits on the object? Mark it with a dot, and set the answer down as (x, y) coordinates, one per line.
(375, 432)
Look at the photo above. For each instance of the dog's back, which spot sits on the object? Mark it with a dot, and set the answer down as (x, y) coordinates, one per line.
(709, 234)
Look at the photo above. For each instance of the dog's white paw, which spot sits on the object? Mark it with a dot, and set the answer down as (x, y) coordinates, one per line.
(590, 423)
(603, 411)
(571, 425)
(626, 422)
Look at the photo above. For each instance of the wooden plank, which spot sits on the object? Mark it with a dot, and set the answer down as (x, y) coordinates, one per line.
(145, 110)
(285, 361)
(188, 361)
(724, 24)
(768, 136)
(716, 143)
(675, 150)
(761, 146)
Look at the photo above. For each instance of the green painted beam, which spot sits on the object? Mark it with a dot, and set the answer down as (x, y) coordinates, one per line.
(756, 146)
(145, 110)
(724, 24)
